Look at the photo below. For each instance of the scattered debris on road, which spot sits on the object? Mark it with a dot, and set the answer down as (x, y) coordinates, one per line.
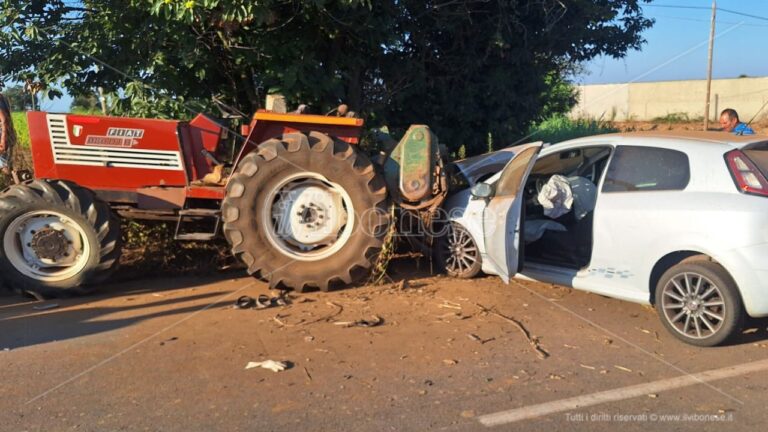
(477, 338)
(169, 340)
(447, 304)
(46, 306)
(453, 315)
(328, 318)
(622, 368)
(533, 341)
(263, 301)
(277, 319)
(274, 366)
(373, 322)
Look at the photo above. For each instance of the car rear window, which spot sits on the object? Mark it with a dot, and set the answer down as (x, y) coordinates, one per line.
(637, 169)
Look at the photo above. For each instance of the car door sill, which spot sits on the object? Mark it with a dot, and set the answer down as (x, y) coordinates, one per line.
(548, 273)
(536, 272)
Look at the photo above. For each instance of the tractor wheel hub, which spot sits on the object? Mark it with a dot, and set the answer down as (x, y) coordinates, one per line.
(49, 244)
(310, 215)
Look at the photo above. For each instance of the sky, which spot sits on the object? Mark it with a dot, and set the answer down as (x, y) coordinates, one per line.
(676, 46)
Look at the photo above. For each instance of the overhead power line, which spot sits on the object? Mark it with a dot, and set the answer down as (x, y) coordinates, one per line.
(677, 6)
(730, 11)
(707, 21)
(743, 14)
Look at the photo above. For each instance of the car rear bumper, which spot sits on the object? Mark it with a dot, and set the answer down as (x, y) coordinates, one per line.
(749, 268)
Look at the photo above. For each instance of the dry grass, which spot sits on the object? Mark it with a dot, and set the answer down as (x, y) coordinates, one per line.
(388, 249)
(149, 248)
(759, 126)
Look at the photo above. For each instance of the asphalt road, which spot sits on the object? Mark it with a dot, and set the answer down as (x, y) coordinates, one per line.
(170, 355)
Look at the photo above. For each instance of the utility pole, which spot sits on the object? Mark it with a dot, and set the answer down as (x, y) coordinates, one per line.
(709, 61)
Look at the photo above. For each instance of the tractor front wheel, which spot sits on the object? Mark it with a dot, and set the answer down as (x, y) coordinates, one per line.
(305, 211)
(56, 238)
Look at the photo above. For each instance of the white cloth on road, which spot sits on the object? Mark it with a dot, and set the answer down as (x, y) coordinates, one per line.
(274, 366)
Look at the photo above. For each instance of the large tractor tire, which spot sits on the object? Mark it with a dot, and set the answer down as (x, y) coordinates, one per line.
(57, 239)
(306, 211)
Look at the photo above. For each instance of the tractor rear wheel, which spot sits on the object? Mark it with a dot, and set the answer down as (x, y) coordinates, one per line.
(305, 211)
(56, 238)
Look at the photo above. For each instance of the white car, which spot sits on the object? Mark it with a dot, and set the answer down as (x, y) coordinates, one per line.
(677, 220)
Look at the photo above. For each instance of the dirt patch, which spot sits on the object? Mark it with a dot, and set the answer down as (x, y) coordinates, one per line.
(172, 355)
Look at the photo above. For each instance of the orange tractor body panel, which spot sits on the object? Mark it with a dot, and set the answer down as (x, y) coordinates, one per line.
(161, 163)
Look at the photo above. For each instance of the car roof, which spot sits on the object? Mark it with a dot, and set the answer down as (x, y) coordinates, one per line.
(726, 138)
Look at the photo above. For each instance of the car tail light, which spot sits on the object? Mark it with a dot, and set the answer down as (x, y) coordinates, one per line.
(746, 175)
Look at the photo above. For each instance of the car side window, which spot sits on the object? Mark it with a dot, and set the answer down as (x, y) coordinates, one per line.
(636, 169)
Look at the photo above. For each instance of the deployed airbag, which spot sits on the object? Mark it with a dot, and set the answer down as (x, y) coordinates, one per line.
(584, 196)
(561, 195)
(556, 197)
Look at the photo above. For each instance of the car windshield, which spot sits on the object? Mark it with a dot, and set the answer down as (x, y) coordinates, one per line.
(479, 168)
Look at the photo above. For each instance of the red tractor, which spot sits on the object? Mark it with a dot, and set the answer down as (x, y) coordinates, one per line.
(298, 201)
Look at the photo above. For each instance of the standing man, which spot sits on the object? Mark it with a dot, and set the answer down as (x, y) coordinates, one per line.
(729, 122)
(7, 133)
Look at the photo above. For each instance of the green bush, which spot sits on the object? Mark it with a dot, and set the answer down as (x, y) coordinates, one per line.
(20, 124)
(560, 128)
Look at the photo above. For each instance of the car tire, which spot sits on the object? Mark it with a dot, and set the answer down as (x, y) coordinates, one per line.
(457, 253)
(699, 303)
(57, 239)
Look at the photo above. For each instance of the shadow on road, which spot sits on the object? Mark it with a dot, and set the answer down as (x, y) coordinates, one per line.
(23, 326)
(757, 332)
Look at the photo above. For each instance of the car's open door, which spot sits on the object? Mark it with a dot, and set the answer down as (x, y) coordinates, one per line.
(501, 217)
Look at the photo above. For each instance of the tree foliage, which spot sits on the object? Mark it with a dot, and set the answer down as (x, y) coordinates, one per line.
(465, 67)
(19, 100)
(87, 103)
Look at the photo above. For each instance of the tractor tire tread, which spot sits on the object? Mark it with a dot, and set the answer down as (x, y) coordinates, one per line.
(68, 196)
(345, 266)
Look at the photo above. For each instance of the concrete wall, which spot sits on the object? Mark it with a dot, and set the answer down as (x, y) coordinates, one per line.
(648, 100)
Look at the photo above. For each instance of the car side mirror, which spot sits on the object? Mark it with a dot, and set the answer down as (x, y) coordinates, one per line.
(482, 191)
